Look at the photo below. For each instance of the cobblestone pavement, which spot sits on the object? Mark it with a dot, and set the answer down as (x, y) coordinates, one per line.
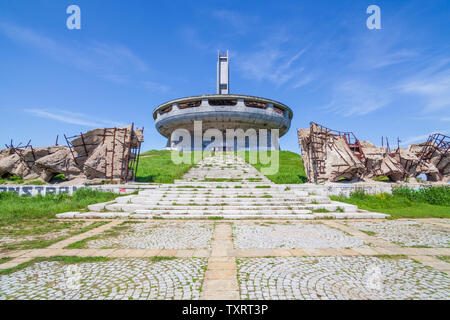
(120, 279)
(406, 233)
(277, 259)
(292, 235)
(340, 278)
(164, 235)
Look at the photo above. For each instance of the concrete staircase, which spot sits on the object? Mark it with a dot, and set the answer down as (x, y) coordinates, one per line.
(223, 187)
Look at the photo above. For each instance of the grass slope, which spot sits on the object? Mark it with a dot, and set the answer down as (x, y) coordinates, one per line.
(404, 202)
(157, 166)
(13, 206)
(290, 171)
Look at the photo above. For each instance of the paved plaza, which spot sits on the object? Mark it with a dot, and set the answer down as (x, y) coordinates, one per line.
(291, 235)
(154, 235)
(233, 260)
(226, 232)
(340, 278)
(122, 278)
(407, 233)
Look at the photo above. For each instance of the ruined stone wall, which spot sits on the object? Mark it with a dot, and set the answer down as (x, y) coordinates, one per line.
(102, 154)
(329, 156)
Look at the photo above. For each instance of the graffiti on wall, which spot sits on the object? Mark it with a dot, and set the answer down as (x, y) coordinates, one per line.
(42, 190)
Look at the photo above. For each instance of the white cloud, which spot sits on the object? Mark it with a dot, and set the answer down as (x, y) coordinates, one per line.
(271, 64)
(432, 85)
(73, 118)
(155, 86)
(420, 138)
(356, 97)
(112, 62)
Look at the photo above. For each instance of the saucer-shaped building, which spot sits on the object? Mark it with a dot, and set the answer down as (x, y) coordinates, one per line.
(222, 111)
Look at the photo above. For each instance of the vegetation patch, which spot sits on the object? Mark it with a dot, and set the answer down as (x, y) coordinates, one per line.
(430, 202)
(161, 258)
(15, 207)
(215, 218)
(40, 230)
(157, 166)
(110, 233)
(391, 257)
(5, 259)
(291, 170)
(11, 180)
(320, 210)
(222, 180)
(444, 258)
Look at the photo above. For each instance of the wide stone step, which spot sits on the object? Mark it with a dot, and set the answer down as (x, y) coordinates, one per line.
(229, 202)
(310, 207)
(218, 196)
(129, 215)
(209, 207)
(221, 192)
(222, 212)
(230, 183)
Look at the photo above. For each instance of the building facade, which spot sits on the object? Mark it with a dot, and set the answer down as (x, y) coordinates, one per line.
(222, 121)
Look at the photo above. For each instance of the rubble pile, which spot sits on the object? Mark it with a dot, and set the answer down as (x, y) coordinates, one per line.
(330, 155)
(103, 154)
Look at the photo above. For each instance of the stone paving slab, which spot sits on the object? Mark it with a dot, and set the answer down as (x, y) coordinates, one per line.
(90, 233)
(340, 278)
(292, 235)
(153, 235)
(220, 277)
(221, 269)
(122, 279)
(407, 233)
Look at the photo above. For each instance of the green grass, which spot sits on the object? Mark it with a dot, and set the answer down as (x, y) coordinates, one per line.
(11, 180)
(33, 217)
(61, 259)
(320, 210)
(34, 183)
(391, 257)
(222, 180)
(215, 218)
(160, 258)
(111, 233)
(290, 171)
(15, 207)
(59, 177)
(444, 258)
(5, 259)
(18, 180)
(159, 167)
(45, 227)
(404, 202)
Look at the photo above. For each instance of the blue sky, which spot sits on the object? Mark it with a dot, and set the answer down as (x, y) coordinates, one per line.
(318, 57)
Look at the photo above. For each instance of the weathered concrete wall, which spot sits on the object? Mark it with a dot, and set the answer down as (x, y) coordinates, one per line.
(325, 190)
(346, 189)
(51, 189)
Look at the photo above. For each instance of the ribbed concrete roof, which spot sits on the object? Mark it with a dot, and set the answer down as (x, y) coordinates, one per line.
(225, 96)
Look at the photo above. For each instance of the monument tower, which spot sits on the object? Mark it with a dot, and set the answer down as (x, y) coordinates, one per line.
(222, 111)
(223, 74)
